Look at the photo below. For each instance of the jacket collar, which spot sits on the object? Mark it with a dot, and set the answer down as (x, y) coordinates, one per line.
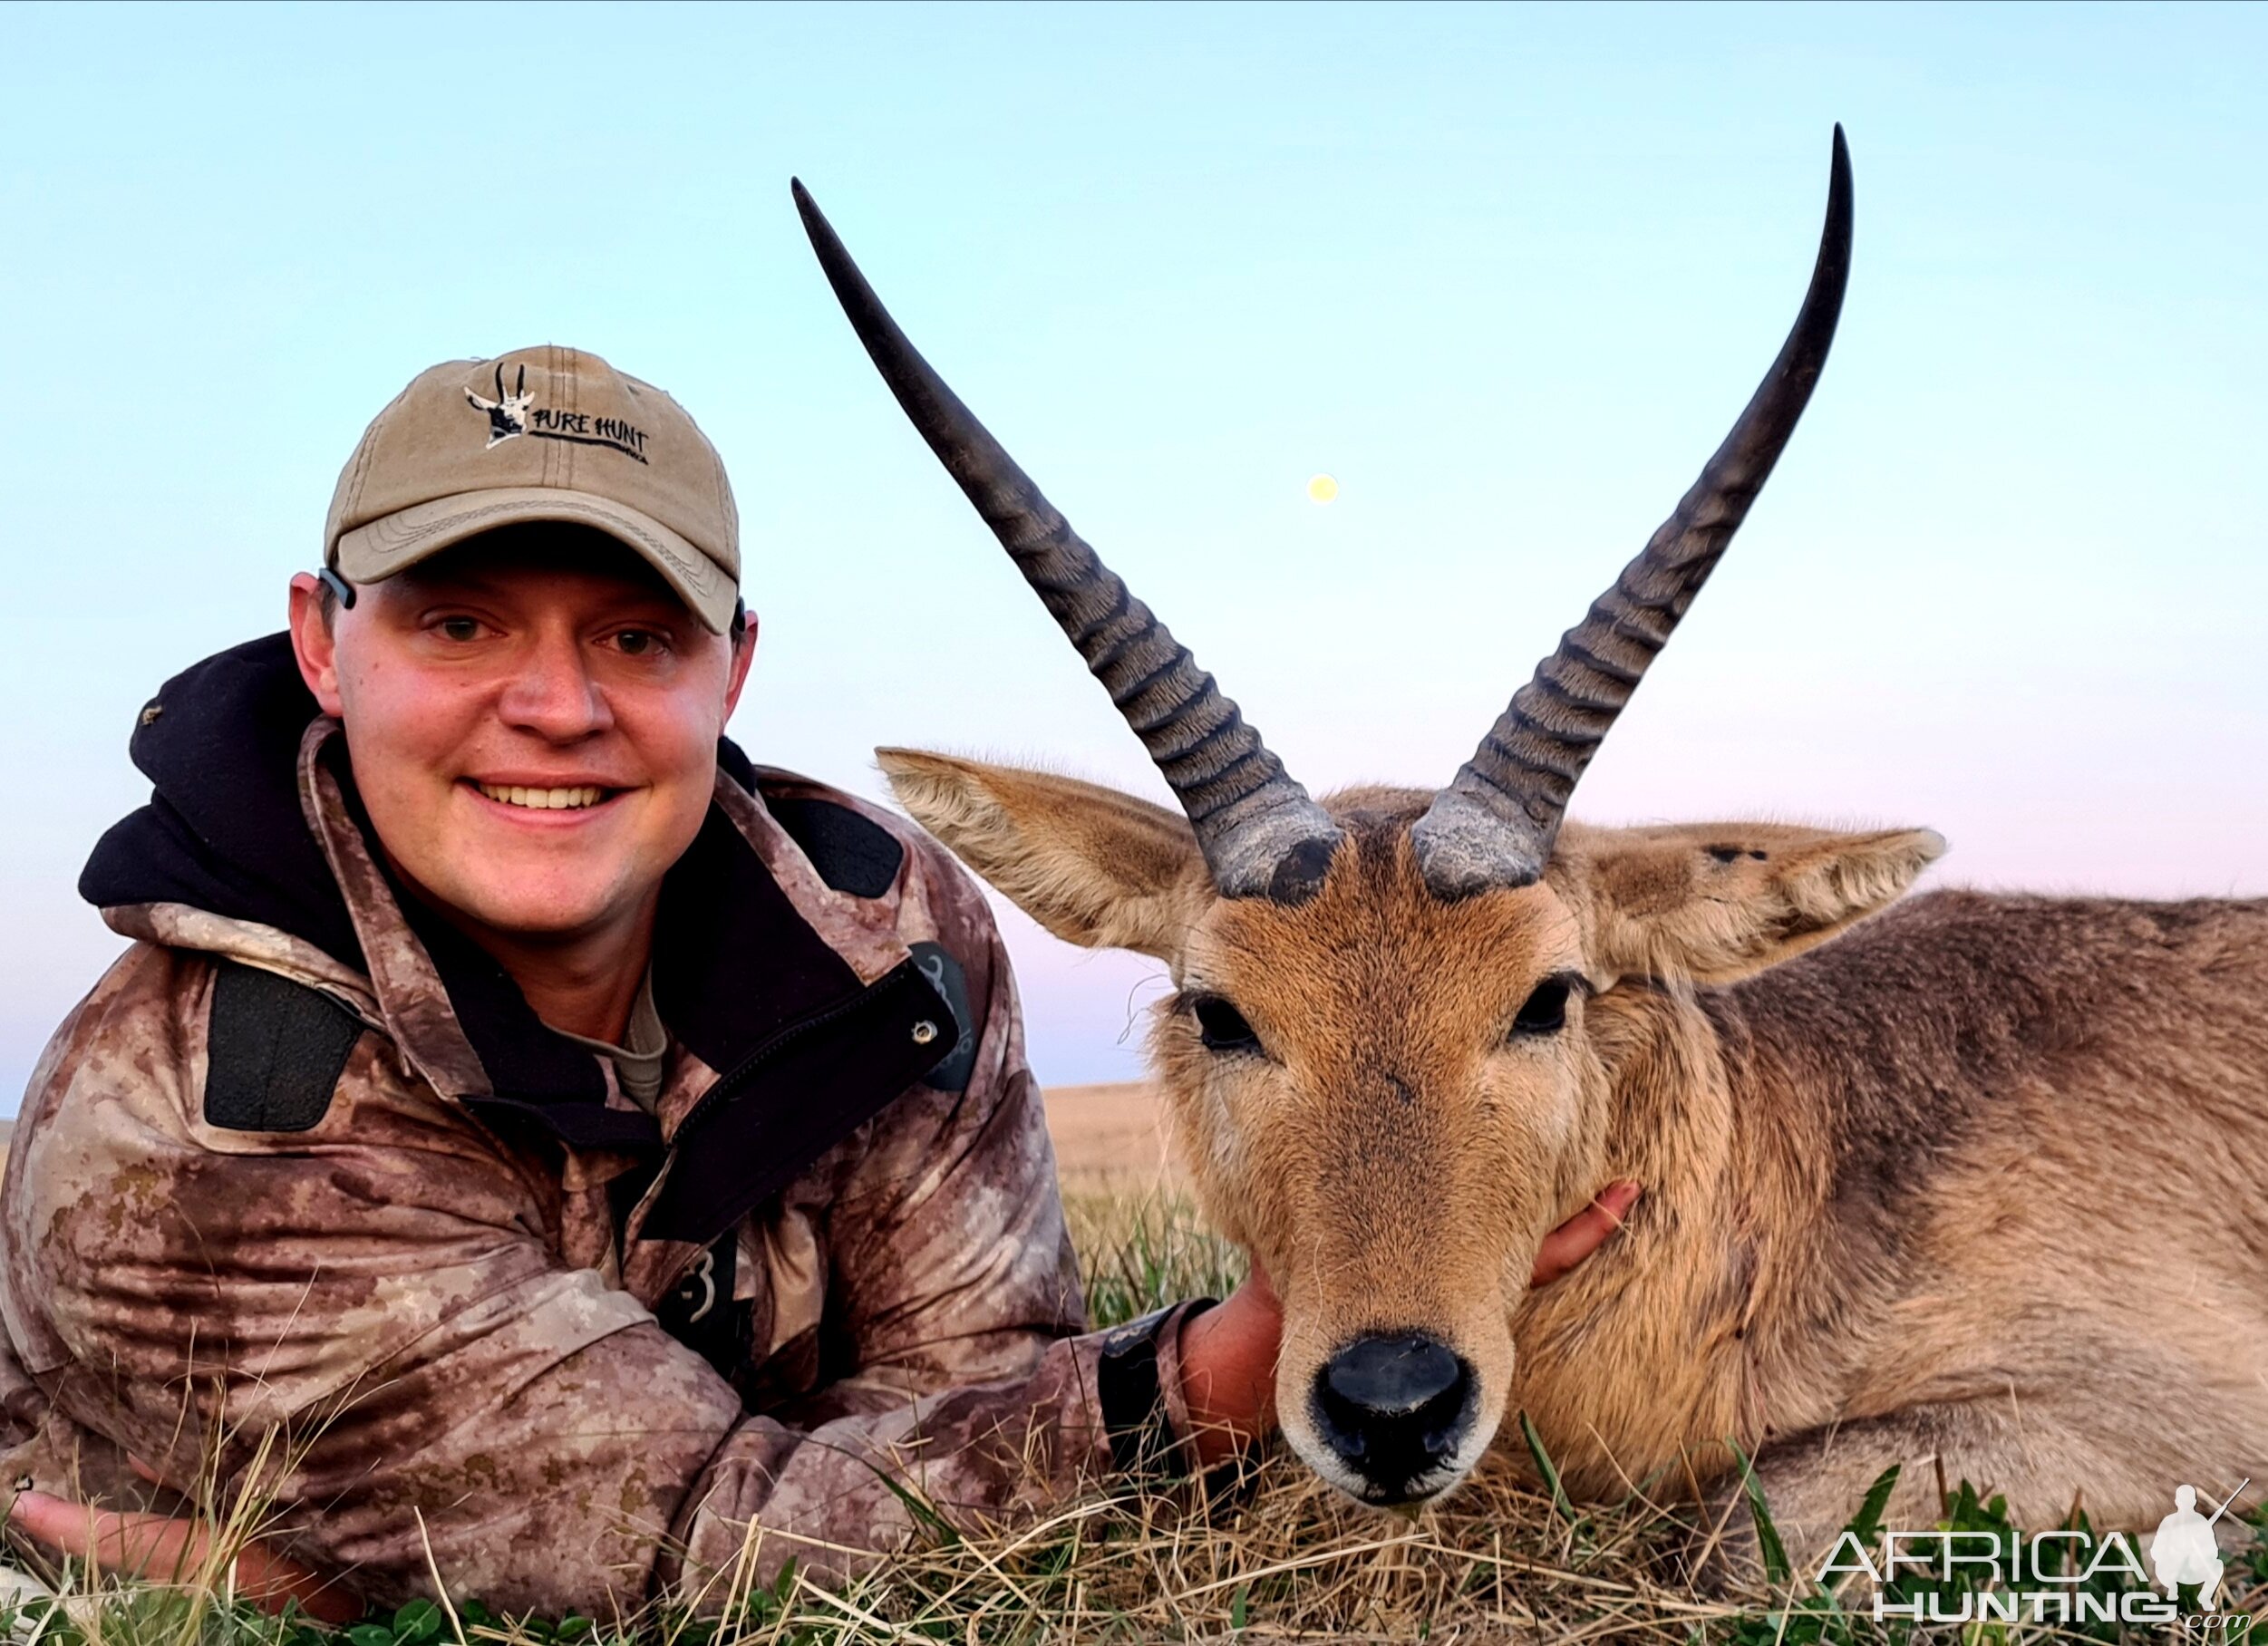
(749, 940)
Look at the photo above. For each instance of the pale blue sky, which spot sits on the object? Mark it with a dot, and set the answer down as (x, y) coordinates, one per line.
(1507, 273)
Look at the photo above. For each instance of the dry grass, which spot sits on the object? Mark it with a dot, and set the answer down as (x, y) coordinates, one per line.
(1277, 1554)
(1277, 1557)
(1287, 1558)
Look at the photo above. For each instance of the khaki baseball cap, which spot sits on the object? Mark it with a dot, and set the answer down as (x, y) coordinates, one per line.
(547, 434)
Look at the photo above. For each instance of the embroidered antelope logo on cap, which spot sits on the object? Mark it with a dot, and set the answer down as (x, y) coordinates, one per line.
(507, 413)
(514, 414)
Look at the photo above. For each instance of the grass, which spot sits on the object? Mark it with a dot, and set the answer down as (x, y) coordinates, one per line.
(1508, 1558)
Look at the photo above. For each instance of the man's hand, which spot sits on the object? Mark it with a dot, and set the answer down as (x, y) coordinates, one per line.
(1229, 1353)
(173, 1550)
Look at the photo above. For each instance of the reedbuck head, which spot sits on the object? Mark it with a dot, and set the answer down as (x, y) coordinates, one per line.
(1386, 1052)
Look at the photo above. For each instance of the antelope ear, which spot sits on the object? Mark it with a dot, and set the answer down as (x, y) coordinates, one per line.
(1717, 901)
(1096, 867)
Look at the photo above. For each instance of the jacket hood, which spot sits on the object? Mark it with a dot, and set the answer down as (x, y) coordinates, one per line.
(224, 830)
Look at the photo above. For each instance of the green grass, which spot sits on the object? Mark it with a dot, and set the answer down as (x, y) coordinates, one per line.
(1508, 1558)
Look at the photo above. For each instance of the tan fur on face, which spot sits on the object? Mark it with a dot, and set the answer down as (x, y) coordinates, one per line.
(1911, 1195)
(1389, 1115)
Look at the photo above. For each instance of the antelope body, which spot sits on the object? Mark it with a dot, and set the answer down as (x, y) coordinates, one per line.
(1975, 1184)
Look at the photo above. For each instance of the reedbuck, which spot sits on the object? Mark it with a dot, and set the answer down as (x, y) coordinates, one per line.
(1976, 1180)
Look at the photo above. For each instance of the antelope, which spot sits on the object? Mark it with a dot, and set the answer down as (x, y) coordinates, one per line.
(1969, 1184)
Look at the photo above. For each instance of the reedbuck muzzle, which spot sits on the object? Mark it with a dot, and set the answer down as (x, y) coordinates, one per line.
(1396, 1411)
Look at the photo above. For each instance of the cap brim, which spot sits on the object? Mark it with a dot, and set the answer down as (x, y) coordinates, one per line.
(373, 553)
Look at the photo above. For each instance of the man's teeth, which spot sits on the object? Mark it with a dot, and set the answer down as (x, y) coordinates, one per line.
(543, 800)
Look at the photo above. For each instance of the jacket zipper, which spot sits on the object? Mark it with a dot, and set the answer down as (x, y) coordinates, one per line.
(723, 1090)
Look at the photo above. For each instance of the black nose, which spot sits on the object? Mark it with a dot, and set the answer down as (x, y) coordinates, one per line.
(1395, 1408)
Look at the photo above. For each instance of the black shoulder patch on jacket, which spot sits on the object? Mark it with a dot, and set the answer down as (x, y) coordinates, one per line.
(944, 976)
(851, 854)
(275, 1052)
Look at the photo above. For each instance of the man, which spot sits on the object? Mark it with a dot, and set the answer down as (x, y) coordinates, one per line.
(570, 1150)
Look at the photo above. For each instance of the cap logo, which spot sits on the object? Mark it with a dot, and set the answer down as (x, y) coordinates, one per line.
(507, 413)
(512, 415)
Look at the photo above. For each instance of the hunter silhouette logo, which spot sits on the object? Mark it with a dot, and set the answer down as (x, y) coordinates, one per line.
(507, 413)
(2185, 1551)
(512, 415)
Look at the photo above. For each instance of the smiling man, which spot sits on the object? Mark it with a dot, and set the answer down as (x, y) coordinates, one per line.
(584, 1149)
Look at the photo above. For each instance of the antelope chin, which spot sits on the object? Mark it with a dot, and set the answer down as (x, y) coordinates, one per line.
(577, 799)
(1409, 1495)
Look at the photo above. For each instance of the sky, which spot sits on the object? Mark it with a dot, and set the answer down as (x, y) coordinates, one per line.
(1506, 275)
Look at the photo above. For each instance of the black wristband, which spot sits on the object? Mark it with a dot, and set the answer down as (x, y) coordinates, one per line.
(1128, 1390)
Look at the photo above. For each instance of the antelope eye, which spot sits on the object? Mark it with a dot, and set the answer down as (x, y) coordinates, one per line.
(1221, 1026)
(1545, 1011)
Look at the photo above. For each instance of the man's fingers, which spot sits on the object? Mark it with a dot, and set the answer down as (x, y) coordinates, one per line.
(1585, 1233)
(1616, 1200)
(143, 1545)
(168, 1549)
(49, 1520)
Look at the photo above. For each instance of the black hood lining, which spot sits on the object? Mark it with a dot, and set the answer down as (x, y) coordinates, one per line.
(224, 830)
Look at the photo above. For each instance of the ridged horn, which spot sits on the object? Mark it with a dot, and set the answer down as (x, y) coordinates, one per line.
(1495, 824)
(1261, 835)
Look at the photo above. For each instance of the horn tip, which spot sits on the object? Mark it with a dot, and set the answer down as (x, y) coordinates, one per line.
(814, 220)
(1835, 235)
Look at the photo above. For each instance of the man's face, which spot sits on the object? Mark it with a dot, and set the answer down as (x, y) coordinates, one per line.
(532, 719)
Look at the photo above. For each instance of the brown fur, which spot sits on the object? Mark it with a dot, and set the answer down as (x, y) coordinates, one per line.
(1976, 1183)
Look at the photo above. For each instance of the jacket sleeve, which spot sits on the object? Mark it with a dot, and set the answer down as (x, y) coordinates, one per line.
(367, 1322)
(954, 1324)
(950, 1260)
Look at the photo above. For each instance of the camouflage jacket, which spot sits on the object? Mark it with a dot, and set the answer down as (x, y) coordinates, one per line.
(305, 1172)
